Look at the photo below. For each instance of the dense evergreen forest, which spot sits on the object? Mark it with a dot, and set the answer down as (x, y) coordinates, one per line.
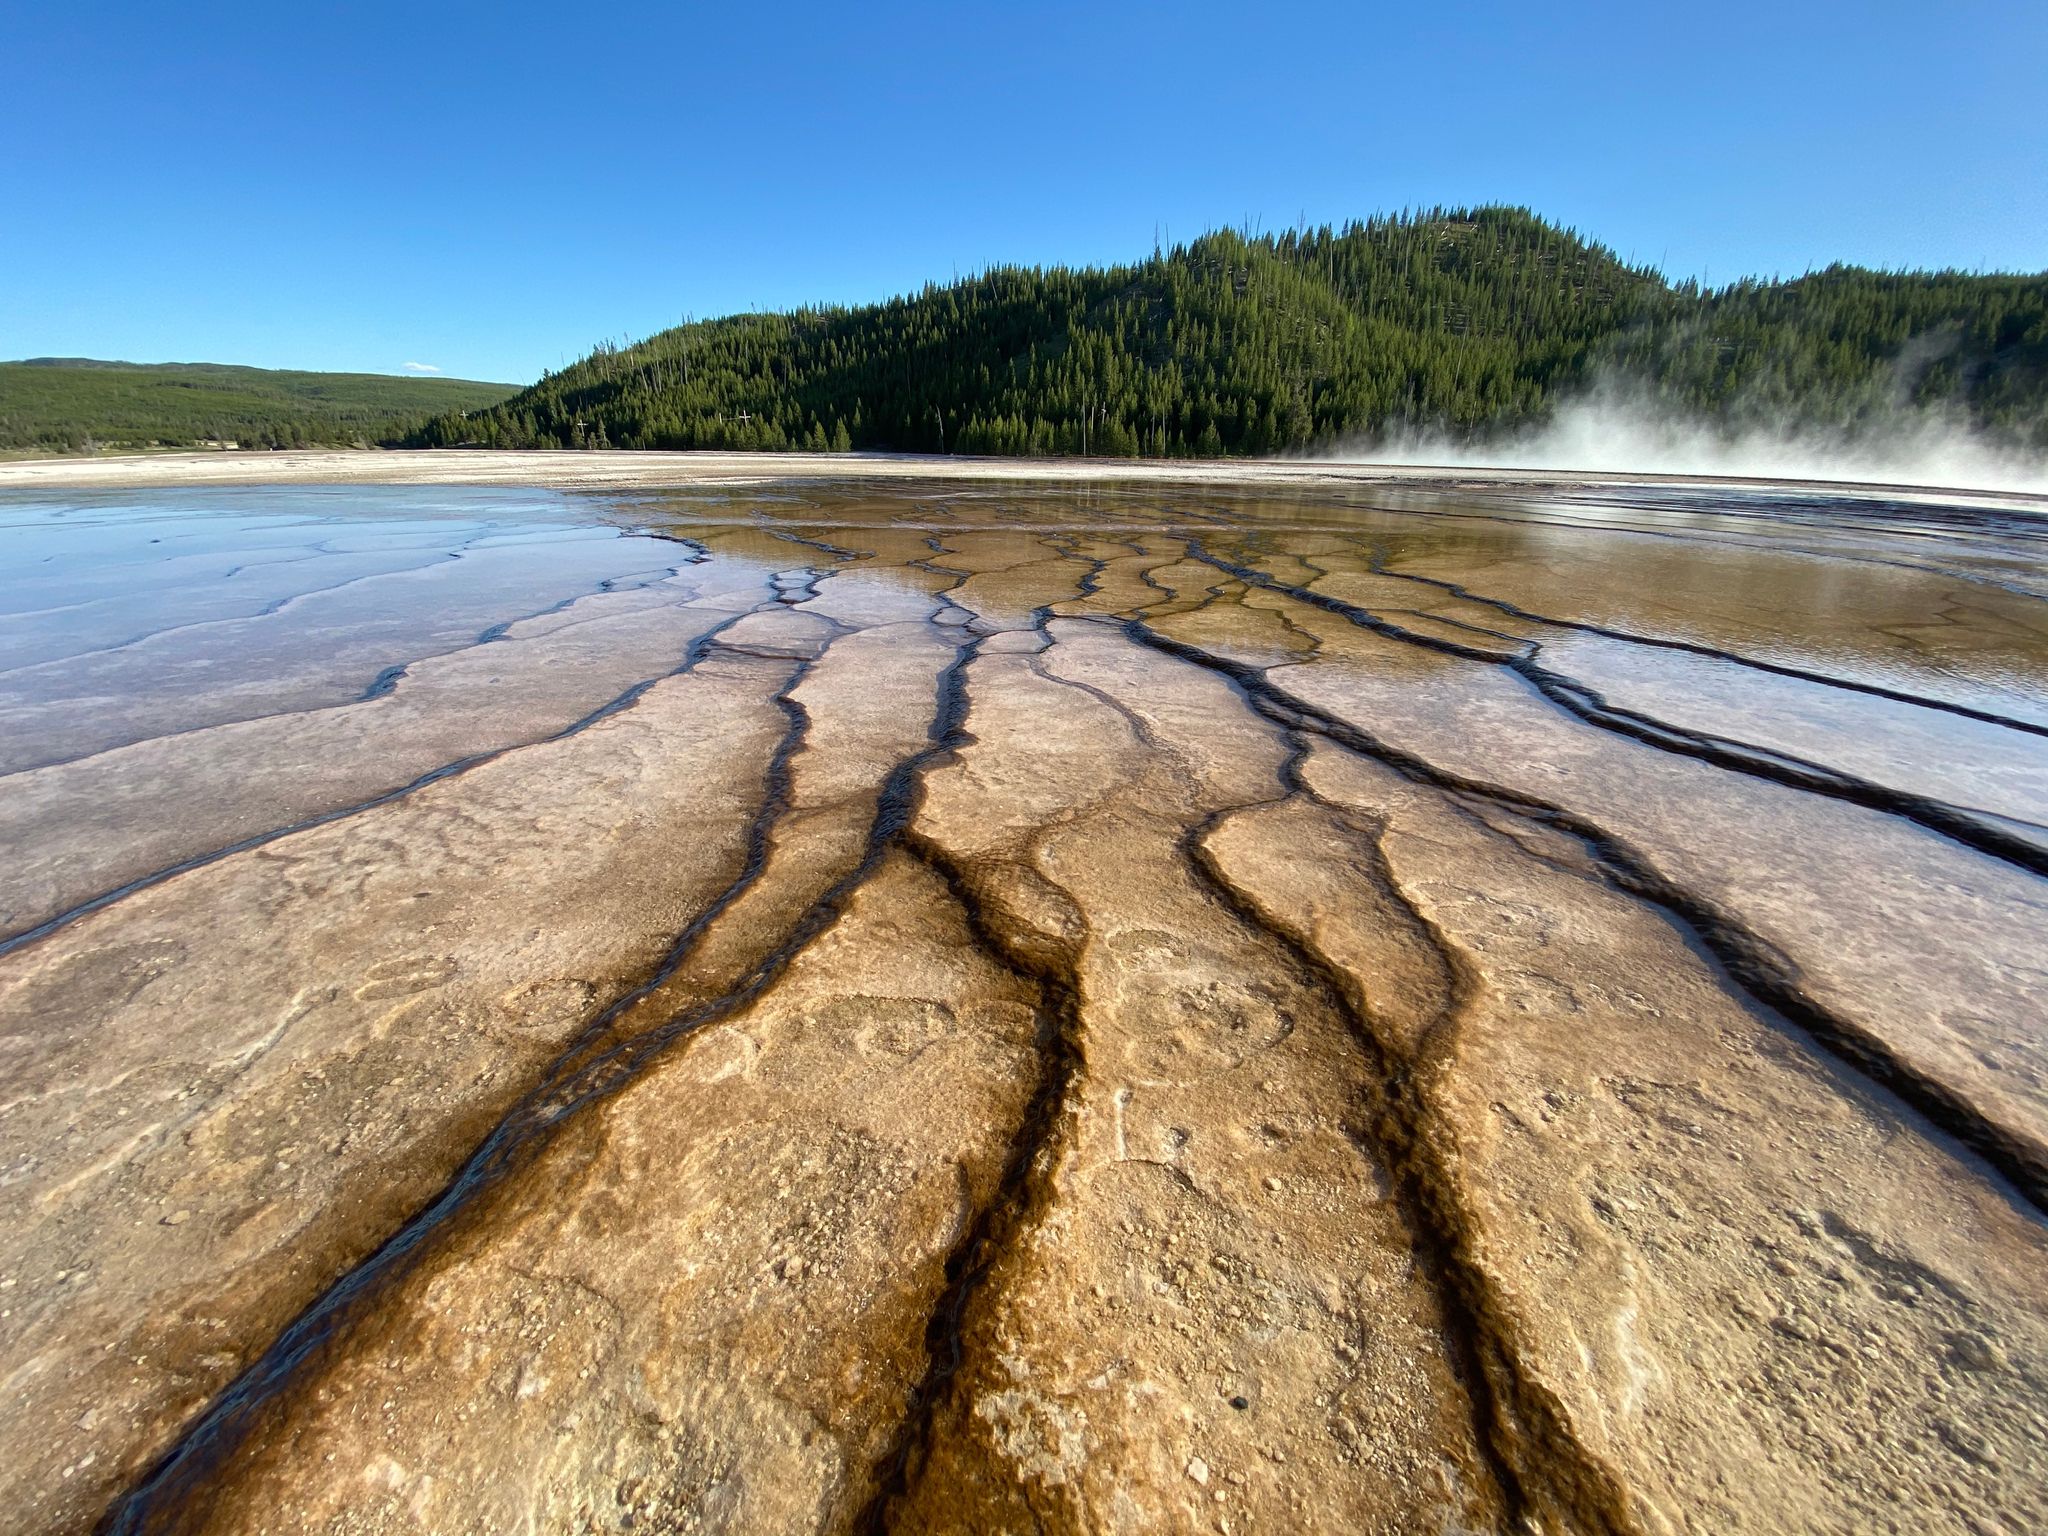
(1466, 321)
(75, 404)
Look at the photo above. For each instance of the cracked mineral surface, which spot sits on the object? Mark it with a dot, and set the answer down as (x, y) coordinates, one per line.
(969, 1006)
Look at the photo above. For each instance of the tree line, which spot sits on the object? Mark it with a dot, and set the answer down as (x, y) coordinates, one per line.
(78, 404)
(1465, 321)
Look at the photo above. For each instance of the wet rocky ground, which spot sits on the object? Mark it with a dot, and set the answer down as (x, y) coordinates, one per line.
(980, 1007)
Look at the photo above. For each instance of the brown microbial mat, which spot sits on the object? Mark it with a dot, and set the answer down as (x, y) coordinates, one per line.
(987, 1007)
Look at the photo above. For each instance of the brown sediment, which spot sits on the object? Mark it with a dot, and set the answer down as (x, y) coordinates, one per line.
(1084, 1395)
(53, 798)
(2019, 1151)
(994, 1008)
(1577, 699)
(258, 1103)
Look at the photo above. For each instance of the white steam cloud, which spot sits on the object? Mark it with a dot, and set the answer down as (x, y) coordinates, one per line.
(421, 368)
(1623, 424)
(1617, 429)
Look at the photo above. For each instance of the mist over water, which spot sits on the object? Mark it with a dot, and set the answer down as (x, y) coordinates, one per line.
(1621, 429)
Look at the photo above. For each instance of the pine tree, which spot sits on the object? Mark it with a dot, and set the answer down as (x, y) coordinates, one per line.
(1472, 320)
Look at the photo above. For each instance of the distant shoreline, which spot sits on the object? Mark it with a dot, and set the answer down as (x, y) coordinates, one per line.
(643, 470)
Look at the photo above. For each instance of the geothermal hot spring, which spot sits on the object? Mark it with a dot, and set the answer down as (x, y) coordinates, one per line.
(973, 1007)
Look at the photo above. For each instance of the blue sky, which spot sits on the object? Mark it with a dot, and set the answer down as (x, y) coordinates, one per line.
(489, 188)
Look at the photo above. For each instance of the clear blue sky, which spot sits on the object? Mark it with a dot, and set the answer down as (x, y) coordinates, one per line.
(489, 188)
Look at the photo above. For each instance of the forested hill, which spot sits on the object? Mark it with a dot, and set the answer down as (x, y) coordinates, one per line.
(1458, 320)
(73, 404)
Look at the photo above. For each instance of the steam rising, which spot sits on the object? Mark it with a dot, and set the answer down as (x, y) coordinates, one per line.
(1619, 428)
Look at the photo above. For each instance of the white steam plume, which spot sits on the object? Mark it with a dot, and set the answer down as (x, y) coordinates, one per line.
(1621, 425)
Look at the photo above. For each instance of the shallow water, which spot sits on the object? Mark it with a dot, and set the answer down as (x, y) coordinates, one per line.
(1005, 976)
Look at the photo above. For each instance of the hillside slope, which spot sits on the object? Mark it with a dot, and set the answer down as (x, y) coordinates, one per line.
(1461, 320)
(70, 404)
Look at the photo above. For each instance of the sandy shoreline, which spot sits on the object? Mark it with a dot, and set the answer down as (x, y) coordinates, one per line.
(618, 470)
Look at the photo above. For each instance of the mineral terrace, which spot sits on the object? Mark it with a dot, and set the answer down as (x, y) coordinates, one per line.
(970, 1007)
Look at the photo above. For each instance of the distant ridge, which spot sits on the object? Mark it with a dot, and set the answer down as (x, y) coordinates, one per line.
(73, 404)
(1455, 321)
